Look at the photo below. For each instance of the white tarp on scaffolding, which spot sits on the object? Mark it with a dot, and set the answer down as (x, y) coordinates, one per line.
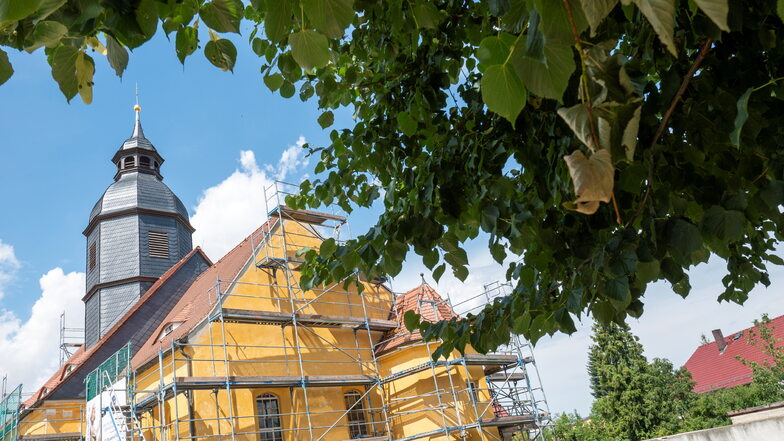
(105, 418)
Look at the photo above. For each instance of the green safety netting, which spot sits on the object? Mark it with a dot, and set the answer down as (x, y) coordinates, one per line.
(105, 375)
(9, 414)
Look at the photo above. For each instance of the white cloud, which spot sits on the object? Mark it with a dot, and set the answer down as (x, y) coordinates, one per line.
(8, 265)
(292, 159)
(35, 342)
(227, 212)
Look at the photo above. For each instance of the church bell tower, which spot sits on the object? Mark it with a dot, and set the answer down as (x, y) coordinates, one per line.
(137, 230)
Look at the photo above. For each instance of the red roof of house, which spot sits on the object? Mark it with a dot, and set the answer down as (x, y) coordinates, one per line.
(196, 303)
(712, 370)
(423, 300)
(80, 356)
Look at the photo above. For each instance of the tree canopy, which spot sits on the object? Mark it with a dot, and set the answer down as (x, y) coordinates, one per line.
(597, 145)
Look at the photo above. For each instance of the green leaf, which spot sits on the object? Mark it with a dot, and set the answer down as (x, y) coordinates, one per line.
(661, 15)
(277, 21)
(85, 69)
(780, 9)
(548, 78)
(328, 247)
(310, 49)
(617, 290)
(498, 252)
(725, 225)
(426, 15)
(684, 238)
(186, 42)
(716, 10)
(63, 63)
(489, 218)
(396, 250)
(596, 10)
(221, 53)
(407, 124)
(411, 320)
(223, 15)
(741, 116)
(439, 271)
(648, 271)
(274, 81)
(502, 91)
(14, 10)
(147, 18)
(326, 119)
(259, 46)
(117, 55)
(494, 50)
(47, 33)
(331, 17)
(47, 7)
(6, 70)
(287, 90)
(460, 272)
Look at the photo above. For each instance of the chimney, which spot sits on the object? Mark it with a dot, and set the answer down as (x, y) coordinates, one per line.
(719, 337)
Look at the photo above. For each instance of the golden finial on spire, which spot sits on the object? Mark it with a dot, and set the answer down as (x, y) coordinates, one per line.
(137, 107)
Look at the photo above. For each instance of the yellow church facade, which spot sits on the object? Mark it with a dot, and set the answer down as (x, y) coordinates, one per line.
(246, 355)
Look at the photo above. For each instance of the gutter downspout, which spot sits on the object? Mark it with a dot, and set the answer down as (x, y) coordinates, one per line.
(191, 424)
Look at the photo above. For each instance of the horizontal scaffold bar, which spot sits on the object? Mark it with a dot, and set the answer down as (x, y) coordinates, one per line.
(492, 362)
(52, 437)
(185, 383)
(315, 320)
(500, 377)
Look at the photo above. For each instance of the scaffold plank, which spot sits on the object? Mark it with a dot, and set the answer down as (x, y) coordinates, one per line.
(185, 383)
(511, 420)
(316, 320)
(52, 437)
(307, 216)
(500, 377)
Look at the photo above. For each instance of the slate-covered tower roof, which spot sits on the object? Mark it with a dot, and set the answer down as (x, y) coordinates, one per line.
(137, 230)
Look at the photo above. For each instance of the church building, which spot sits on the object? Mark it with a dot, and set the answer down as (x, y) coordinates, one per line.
(178, 346)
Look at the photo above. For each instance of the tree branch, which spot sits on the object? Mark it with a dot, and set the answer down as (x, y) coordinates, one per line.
(666, 119)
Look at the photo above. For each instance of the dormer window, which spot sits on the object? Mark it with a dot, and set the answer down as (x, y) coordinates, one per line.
(170, 328)
(144, 161)
(129, 162)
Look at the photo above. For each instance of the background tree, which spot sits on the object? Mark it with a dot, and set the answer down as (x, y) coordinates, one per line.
(575, 136)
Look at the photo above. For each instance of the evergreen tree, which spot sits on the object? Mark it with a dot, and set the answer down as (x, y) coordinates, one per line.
(634, 399)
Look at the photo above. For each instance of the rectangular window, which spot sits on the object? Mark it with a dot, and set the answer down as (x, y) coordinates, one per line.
(357, 424)
(268, 410)
(158, 244)
(92, 257)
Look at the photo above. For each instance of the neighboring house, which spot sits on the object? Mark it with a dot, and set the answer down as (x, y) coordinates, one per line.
(178, 347)
(715, 365)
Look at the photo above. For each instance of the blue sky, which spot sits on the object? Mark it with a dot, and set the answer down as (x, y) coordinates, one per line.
(224, 135)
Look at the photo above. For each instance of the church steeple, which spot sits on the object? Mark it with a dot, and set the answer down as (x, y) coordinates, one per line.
(138, 229)
(137, 154)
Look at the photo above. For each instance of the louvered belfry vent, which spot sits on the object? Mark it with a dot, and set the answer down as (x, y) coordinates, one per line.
(158, 244)
(93, 256)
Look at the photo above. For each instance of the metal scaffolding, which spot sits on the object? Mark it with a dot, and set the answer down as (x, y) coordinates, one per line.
(194, 390)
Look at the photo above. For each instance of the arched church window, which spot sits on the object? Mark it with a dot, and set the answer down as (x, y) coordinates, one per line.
(357, 423)
(268, 411)
(129, 162)
(144, 161)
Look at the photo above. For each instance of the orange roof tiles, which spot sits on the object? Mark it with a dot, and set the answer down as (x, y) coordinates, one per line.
(196, 303)
(712, 370)
(423, 300)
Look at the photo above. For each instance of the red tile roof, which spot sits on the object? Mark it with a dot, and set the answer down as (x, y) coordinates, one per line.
(425, 301)
(196, 303)
(712, 370)
(80, 356)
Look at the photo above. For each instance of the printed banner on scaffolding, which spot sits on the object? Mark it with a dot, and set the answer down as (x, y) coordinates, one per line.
(105, 418)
